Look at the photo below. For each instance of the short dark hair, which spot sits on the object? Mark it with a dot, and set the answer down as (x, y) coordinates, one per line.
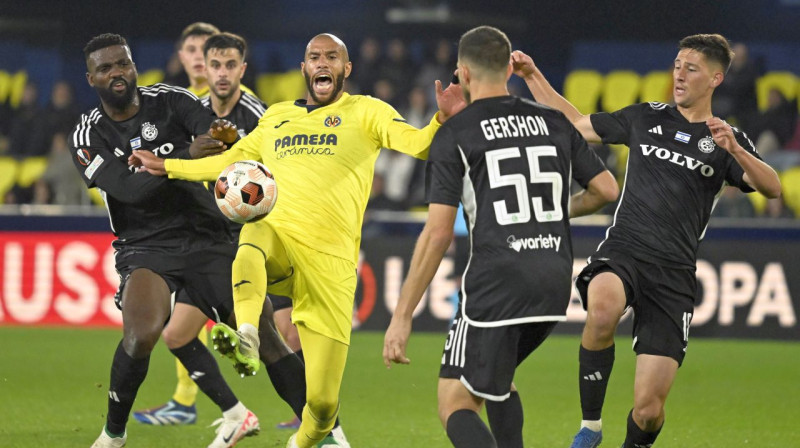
(197, 29)
(713, 46)
(485, 46)
(103, 41)
(225, 40)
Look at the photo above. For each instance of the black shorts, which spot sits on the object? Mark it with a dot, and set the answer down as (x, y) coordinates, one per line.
(484, 358)
(201, 279)
(279, 302)
(662, 299)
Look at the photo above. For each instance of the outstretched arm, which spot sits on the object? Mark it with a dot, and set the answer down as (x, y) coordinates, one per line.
(547, 95)
(431, 246)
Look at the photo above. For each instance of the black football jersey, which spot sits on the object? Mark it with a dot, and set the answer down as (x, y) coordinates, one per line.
(245, 115)
(510, 162)
(175, 214)
(674, 177)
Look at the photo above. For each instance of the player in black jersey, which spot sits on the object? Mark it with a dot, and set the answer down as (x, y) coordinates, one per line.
(171, 238)
(681, 157)
(510, 161)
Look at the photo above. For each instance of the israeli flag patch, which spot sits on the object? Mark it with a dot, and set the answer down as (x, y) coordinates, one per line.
(136, 143)
(682, 137)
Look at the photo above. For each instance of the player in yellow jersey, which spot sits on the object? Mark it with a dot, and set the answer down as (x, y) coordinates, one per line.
(322, 152)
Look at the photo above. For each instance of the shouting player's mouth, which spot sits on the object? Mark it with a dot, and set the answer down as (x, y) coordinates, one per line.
(323, 84)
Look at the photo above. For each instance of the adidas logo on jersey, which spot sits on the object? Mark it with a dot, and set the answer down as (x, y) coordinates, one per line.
(656, 130)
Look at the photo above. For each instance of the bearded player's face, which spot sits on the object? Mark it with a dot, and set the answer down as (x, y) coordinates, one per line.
(325, 68)
(112, 73)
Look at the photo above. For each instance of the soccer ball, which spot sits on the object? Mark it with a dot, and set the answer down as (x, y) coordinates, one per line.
(245, 191)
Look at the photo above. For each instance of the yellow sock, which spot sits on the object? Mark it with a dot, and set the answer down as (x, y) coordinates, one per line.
(249, 285)
(325, 362)
(186, 391)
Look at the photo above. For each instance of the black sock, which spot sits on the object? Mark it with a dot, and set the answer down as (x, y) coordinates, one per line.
(505, 419)
(465, 429)
(299, 354)
(127, 374)
(636, 437)
(203, 369)
(288, 376)
(595, 369)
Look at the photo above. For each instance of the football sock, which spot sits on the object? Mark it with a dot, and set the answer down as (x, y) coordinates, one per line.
(636, 437)
(465, 429)
(595, 369)
(186, 390)
(127, 374)
(205, 372)
(288, 377)
(505, 419)
(249, 284)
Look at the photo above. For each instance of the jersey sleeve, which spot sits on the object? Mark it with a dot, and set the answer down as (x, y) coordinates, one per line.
(735, 174)
(208, 168)
(444, 172)
(100, 168)
(391, 130)
(614, 127)
(586, 164)
(195, 117)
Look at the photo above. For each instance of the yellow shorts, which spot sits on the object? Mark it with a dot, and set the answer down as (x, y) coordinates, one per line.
(322, 286)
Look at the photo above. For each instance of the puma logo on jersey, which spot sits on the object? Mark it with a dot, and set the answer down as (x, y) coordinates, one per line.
(678, 159)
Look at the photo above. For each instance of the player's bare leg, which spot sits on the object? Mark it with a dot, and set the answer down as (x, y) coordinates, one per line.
(654, 378)
(458, 412)
(605, 306)
(145, 309)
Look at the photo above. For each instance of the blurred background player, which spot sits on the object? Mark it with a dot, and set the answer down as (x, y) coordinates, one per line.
(681, 157)
(308, 247)
(512, 296)
(173, 249)
(190, 53)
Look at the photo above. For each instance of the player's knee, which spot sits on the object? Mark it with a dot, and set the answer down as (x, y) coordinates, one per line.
(603, 315)
(324, 408)
(649, 415)
(174, 339)
(140, 342)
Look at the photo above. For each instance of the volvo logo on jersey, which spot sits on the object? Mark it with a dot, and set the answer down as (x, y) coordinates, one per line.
(678, 159)
(534, 243)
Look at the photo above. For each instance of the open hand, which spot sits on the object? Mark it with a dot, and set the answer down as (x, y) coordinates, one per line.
(148, 162)
(450, 100)
(223, 130)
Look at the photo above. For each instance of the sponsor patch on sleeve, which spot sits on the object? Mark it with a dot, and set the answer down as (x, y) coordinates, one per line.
(92, 168)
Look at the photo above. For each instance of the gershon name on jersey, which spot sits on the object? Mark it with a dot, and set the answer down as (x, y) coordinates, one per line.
(514, 126)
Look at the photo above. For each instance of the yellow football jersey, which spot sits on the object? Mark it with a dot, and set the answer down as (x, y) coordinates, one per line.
(323, 161)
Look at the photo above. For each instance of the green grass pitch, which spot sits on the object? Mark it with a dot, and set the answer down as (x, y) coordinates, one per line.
(53, 385)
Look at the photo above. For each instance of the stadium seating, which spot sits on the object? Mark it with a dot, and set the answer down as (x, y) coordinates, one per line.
(621, 89)
(30, 170)
(12, 86)
(786, 82)
(276, 87)
(582, 88)
(790, 180)
(8, 175)
(656, 87)
(150, 77)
